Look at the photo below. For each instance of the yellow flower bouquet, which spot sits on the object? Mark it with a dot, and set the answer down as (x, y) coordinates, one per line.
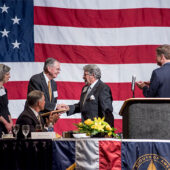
(96, 127)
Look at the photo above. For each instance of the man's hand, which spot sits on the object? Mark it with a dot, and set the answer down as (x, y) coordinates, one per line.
(8, 126)
(141, 84)
(52, 118)
(56, 117)
(147, 83)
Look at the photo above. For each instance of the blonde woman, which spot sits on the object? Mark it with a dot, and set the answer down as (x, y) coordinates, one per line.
(5, 117)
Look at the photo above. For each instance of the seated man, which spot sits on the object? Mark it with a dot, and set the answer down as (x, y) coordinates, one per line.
(30, 116)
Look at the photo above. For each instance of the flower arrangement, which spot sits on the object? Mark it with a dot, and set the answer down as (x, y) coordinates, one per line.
(96, 126)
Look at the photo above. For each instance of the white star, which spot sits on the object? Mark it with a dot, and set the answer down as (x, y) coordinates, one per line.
(15, 20)
(4, 8)
(16, 44)
(5, 33)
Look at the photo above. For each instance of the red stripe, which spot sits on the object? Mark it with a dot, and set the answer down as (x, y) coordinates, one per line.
(64, 125)
(101, 18)
(72, 90)
(94, 54)
(110, 155)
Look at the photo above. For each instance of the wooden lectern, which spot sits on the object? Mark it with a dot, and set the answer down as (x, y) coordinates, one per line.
(146, 118)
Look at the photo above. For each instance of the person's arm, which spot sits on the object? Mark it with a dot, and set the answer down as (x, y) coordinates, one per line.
(33, 85)
(7, 125)
(73, 109)
(152, 90)
(105, 102)
(10, 120)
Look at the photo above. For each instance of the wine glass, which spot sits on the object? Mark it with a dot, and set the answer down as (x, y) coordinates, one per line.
(25, 130)
(16, 129)
(38, 128)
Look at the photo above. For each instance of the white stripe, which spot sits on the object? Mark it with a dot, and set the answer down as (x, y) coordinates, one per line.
(17, 106)
(74, 72)
(102, 4)
(101, 36)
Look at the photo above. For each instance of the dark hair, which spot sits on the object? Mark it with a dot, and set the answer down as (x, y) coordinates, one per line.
(49, 62)
(34, 96)
(3, 70)
(165, 50)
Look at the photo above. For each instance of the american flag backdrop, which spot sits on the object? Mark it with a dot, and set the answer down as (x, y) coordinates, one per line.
(120, 36)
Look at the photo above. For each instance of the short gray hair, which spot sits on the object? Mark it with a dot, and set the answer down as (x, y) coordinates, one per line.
(3, 70)
(93, 69)
(34, 97)
(49, 62)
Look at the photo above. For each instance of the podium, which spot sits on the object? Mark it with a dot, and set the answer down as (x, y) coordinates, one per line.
(146, 118)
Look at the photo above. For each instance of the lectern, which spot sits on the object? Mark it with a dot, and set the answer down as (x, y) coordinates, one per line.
(146, 118)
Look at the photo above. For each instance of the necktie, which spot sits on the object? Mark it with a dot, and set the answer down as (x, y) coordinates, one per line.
(49, 90)
(88, 91)
(39, 119)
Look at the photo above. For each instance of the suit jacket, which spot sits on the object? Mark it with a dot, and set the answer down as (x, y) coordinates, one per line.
(27, 117)
(37, 82)
(4, 112)
(159, 83)
(98, 103)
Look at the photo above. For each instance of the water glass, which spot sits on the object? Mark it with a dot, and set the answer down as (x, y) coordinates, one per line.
(25, 130)
(16, 129)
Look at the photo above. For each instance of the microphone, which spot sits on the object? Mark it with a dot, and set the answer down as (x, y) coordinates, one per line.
(133, 85)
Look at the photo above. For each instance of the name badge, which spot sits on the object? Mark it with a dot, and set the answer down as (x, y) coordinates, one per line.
(55, 93)
(2, 92)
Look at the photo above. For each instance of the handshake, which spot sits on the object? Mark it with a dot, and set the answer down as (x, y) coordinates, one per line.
(62, 107)
(53, 117)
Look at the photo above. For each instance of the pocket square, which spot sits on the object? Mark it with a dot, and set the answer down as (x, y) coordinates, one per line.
(92, 97)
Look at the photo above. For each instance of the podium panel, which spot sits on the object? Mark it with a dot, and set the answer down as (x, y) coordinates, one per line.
(146, 119)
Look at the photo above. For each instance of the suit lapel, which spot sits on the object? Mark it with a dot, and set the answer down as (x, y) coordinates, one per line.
(44, 84)
(93, 89)
(91, 92)
(83, 94)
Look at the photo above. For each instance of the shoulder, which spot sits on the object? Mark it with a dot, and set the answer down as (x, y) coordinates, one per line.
(102, 85)
(25, 114)
(159, 71)
(36, 76)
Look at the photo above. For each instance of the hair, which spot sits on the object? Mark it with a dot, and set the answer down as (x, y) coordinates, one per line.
(49, 63)
(3, 70)
(165, 50)
(34, 97)
(93, 69)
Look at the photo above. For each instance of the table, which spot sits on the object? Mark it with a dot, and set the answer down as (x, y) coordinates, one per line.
(88, 154)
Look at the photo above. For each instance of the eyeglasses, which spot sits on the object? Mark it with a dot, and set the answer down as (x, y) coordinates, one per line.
(85, 74)
(58, 69)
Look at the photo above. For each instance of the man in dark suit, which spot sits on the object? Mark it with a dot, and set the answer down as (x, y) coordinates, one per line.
(159, 85)
(96, 97)
(30, 116)
(45, 83)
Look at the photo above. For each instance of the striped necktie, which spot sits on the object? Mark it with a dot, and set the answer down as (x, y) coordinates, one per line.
(88, 91)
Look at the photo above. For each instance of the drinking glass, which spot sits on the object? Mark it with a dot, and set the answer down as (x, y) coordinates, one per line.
(38, 128)
(25, 130)
(16, 129)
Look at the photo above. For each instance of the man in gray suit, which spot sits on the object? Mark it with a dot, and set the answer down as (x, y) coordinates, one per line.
(95, 99)
(159, 85)
(45, 83)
